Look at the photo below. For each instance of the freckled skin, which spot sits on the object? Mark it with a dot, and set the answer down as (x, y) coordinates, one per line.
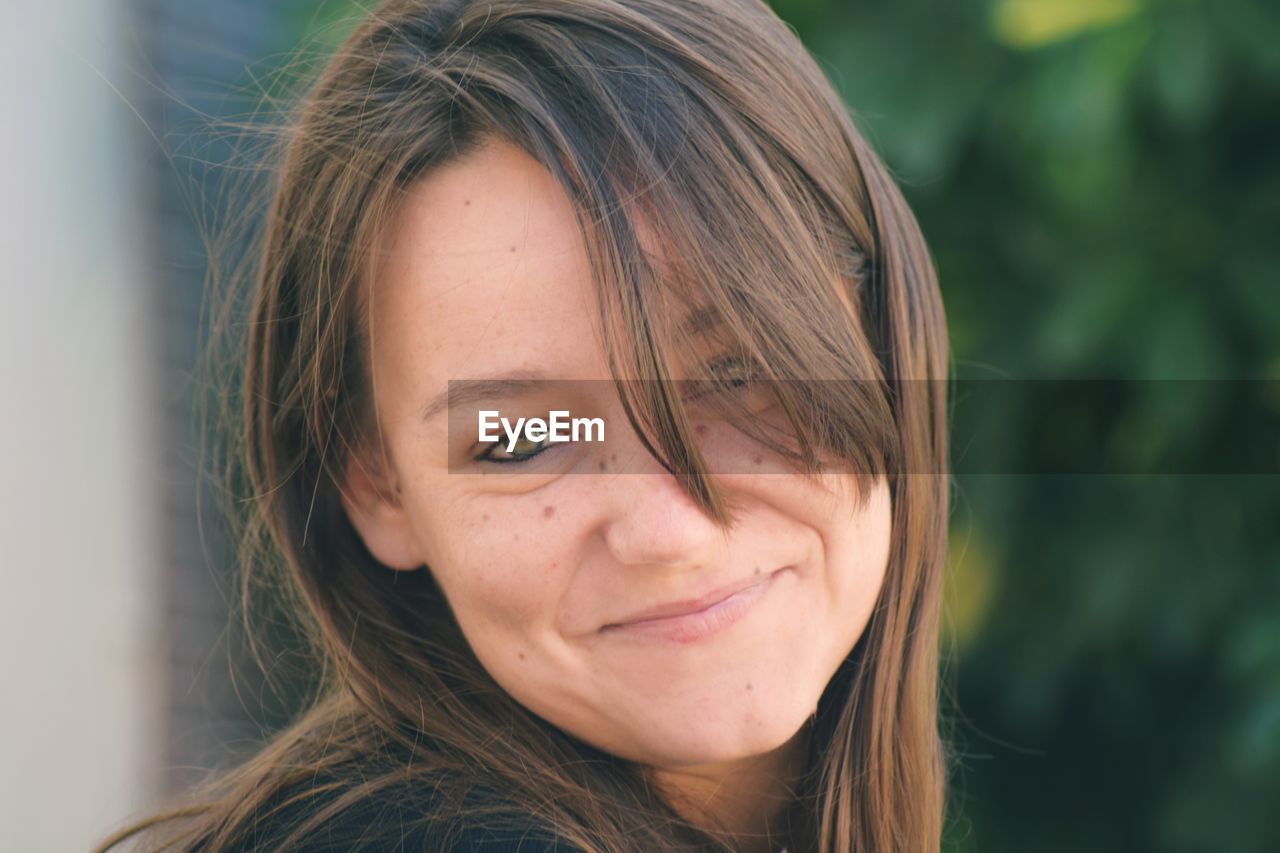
(454, 301)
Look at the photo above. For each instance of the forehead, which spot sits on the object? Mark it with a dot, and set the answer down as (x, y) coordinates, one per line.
(484, 272)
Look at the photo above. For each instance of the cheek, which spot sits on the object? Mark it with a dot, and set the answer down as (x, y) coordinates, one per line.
(858, 551)
(503, 564)
(854, 538)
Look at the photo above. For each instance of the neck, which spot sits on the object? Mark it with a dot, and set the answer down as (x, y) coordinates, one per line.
(747, 798)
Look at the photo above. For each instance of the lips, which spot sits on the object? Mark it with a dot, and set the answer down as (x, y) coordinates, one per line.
(691, 605)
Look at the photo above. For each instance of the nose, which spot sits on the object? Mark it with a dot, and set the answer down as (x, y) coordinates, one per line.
(653, 522)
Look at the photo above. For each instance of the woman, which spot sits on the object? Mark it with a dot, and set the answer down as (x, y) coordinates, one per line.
(715, 629)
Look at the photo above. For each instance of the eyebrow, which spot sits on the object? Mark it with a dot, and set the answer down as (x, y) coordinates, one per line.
(702, 319)
(462, 392)
(523, 382)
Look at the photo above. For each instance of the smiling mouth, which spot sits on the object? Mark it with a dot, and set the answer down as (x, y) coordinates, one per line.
(690, 621)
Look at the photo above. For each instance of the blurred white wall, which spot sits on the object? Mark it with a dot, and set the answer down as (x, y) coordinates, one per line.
(80, 586)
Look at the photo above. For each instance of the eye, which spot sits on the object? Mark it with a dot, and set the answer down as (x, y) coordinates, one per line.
(727, 372)
(496, 451)
(737, 371)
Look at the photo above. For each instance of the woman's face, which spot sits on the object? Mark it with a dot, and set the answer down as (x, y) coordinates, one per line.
(550, 567)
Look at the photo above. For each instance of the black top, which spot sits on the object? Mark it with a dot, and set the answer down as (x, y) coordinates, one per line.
(391, 821)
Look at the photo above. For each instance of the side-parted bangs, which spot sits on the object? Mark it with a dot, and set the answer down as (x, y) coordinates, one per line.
(695, 196)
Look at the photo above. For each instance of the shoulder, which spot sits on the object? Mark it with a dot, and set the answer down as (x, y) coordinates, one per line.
(405, 817)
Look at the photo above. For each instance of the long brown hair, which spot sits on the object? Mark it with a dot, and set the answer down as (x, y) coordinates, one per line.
(708, 120)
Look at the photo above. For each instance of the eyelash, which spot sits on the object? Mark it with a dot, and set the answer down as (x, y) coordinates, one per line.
(521, 459)
(714, 364)
(752, 373)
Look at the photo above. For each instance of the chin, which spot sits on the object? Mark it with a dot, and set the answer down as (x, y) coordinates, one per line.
(723, 736)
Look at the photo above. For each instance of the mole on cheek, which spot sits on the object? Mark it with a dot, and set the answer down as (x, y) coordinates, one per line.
(748, 684)
(700, 429)
(757, 459)
(604, 466)
(484, 517)
(548, 511)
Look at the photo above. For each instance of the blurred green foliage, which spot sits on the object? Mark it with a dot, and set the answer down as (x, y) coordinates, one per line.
(1100, 186)
(1099, 183)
